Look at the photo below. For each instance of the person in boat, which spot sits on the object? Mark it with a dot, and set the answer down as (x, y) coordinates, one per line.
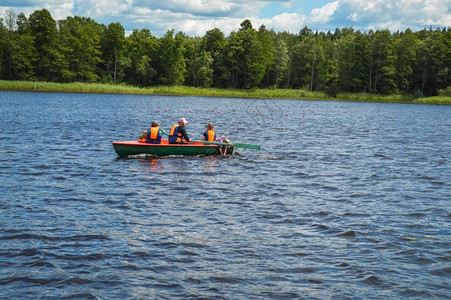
(152, 135)
(209, 135)
(223, 148)
(178, 133)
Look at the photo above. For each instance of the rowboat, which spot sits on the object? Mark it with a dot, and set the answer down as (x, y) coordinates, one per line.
(164, 149)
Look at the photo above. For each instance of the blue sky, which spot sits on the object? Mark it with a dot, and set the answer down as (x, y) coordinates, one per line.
(195, 17)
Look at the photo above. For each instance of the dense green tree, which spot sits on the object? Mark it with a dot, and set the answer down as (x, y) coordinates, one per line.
(22, 24)
(433, 70)
(45, 34)
(80, 39)
(407, 46)
(281, 61)
(268, 53)
(193, 50)
(80, 49)
(214, 44)
(245, 56)
(113, 45)
(361, 66)
(205, 73)
(446, 64)
(352, 55)
(233, 59)
(303, 59)
(11, 24)
(142, 49)
(243, 64)
(290, 40)
(383, 62)
(171, 60)
(3, 50)
(330, 80)
(255, 63)
(23, 56)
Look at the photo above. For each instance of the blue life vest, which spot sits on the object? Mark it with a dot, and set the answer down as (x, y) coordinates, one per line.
(174, 135)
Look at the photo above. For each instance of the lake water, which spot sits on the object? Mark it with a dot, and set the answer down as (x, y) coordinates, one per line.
(343, 201)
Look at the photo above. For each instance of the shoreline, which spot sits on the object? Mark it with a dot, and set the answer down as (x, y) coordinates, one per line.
(99, 88)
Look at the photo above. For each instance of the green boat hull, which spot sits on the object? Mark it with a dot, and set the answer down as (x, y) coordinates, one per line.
(135, 148)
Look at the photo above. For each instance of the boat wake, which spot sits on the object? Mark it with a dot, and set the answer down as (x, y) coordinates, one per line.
(271, 157)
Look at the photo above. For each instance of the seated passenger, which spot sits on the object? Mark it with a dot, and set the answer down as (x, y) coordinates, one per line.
(209, 135)
(152, 135)
(178, 133)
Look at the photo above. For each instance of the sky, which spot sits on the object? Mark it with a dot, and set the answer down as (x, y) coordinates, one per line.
(196, 17)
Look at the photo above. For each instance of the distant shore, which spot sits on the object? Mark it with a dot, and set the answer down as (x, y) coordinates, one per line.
(30, 86)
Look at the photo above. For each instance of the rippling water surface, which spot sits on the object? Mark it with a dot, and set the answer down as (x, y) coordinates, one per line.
(344, 200)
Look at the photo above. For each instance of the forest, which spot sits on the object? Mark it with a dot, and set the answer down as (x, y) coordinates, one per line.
(78, 49)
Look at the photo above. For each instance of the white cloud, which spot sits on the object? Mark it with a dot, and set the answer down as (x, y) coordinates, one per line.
(102, 8)
(59, 9)
(211, 8)
(62, 10)
(291, 22)
(200, 27)
(288, 3)
(395, 15)
(202, 6)
(323, 14)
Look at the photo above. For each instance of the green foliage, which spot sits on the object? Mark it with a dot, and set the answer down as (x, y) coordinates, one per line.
(80, 45)
(406, 48)
(23, 58)
(446, 92)
(345, 61)
(44, 32)
(280, 63)
(171, 59)
(113, 49)
(141, 47)
(3, 49)
(246, 58)
(206, 72)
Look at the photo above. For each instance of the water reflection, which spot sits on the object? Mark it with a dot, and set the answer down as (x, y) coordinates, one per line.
(153, 165)
(210, 164)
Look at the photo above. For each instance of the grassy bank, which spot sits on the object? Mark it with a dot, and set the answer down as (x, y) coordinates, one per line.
(210, 92)
(157, 90)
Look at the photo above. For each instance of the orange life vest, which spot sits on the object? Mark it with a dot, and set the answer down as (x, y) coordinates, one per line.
(152, 135)
(175, 135)
(210, 136)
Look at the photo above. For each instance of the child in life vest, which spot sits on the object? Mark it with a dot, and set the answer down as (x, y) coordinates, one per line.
(209, 135)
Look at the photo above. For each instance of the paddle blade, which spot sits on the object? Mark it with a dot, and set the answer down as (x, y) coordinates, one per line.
(236, 145)
(247, 146)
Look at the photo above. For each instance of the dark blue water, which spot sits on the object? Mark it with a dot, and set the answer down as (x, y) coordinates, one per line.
(344, 200)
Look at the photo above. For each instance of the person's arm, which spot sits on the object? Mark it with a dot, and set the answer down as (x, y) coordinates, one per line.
(164, 132)
(143, 134)
(182, 130)
(205, 136)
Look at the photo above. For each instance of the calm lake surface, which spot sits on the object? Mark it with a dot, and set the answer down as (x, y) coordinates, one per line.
(343, 201)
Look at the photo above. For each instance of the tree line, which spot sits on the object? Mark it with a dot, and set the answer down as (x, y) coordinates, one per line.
(78, 49)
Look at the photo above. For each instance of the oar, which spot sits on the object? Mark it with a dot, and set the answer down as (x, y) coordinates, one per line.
(237, 145)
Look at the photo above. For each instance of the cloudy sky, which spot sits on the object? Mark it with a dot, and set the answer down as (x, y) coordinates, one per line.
(195, 17)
